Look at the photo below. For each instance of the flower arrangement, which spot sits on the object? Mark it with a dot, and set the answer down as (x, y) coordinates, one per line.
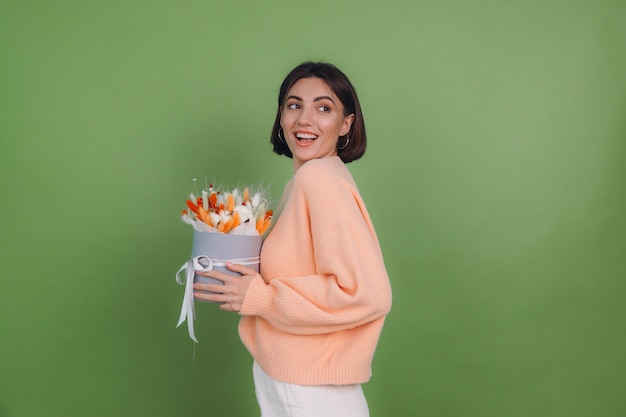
(232, 212)
(236, 222)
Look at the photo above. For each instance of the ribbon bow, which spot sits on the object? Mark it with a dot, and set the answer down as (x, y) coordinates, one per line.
(200, 263)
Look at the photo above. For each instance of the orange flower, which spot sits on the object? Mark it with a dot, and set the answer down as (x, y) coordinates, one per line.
(213, 201)
(204, 216)
(262, 225)
(236, 220)
(231, 202)
(192, 206)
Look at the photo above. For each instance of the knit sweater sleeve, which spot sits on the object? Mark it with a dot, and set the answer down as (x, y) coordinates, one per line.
(341, 282)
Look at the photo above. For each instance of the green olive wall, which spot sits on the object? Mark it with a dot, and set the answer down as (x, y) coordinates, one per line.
(494, 175)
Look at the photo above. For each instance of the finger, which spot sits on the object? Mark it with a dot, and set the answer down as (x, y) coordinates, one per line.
(206, 296)
(230, 307)
(214, 297)
(222, 276)
(216, 288)
(243, 270)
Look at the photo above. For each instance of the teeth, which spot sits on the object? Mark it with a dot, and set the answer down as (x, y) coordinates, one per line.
(305, 136)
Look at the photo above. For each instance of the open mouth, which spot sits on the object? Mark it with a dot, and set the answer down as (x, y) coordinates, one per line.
(305, 137)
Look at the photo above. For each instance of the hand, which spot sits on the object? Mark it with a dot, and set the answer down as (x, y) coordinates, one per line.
(234, 290)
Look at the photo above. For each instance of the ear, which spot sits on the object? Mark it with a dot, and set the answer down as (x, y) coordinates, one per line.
(347, 124)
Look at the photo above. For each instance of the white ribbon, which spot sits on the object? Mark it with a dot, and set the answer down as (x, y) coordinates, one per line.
(200, 264)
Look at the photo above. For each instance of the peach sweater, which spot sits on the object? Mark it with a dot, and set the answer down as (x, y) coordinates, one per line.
(315, 312)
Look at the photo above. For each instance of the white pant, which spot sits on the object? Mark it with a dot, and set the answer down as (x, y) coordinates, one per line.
(280, 399)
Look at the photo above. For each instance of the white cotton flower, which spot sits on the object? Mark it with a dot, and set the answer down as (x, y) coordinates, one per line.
(187, 219)
(248, 229)
(245, 213)
(215, 218)
(205, 201)
(224, 216)
(256, 199)
(260, 211)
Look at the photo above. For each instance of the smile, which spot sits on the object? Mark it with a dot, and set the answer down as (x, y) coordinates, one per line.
(304, 136)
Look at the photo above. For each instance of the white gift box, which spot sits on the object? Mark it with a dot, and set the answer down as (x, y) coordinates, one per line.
(211, 251)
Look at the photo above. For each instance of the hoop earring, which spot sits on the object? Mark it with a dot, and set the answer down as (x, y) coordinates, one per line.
(282, 139)
(346, 144)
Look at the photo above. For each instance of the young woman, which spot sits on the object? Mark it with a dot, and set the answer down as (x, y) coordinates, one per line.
(312, 317)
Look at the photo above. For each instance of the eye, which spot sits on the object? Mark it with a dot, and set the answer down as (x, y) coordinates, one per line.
(293, 106)
(324, 109)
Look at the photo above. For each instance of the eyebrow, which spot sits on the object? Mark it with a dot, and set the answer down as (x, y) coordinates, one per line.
(315, 99)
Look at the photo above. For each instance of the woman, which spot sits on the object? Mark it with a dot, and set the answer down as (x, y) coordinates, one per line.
(312, 317)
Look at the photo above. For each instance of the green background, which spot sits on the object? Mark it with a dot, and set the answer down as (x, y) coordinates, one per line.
(494, 175)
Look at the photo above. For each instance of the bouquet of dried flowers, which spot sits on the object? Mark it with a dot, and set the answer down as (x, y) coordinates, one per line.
(228, 212)
(228, 227)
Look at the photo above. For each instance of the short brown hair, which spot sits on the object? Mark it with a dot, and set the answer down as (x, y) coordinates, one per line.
(345, 92)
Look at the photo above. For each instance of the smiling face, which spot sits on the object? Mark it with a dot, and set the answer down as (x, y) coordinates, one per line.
(312, 120)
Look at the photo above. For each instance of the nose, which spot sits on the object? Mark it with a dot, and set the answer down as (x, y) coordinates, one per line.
(305, 117)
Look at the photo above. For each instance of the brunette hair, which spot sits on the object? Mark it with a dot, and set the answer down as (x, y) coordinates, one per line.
(345, 92)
